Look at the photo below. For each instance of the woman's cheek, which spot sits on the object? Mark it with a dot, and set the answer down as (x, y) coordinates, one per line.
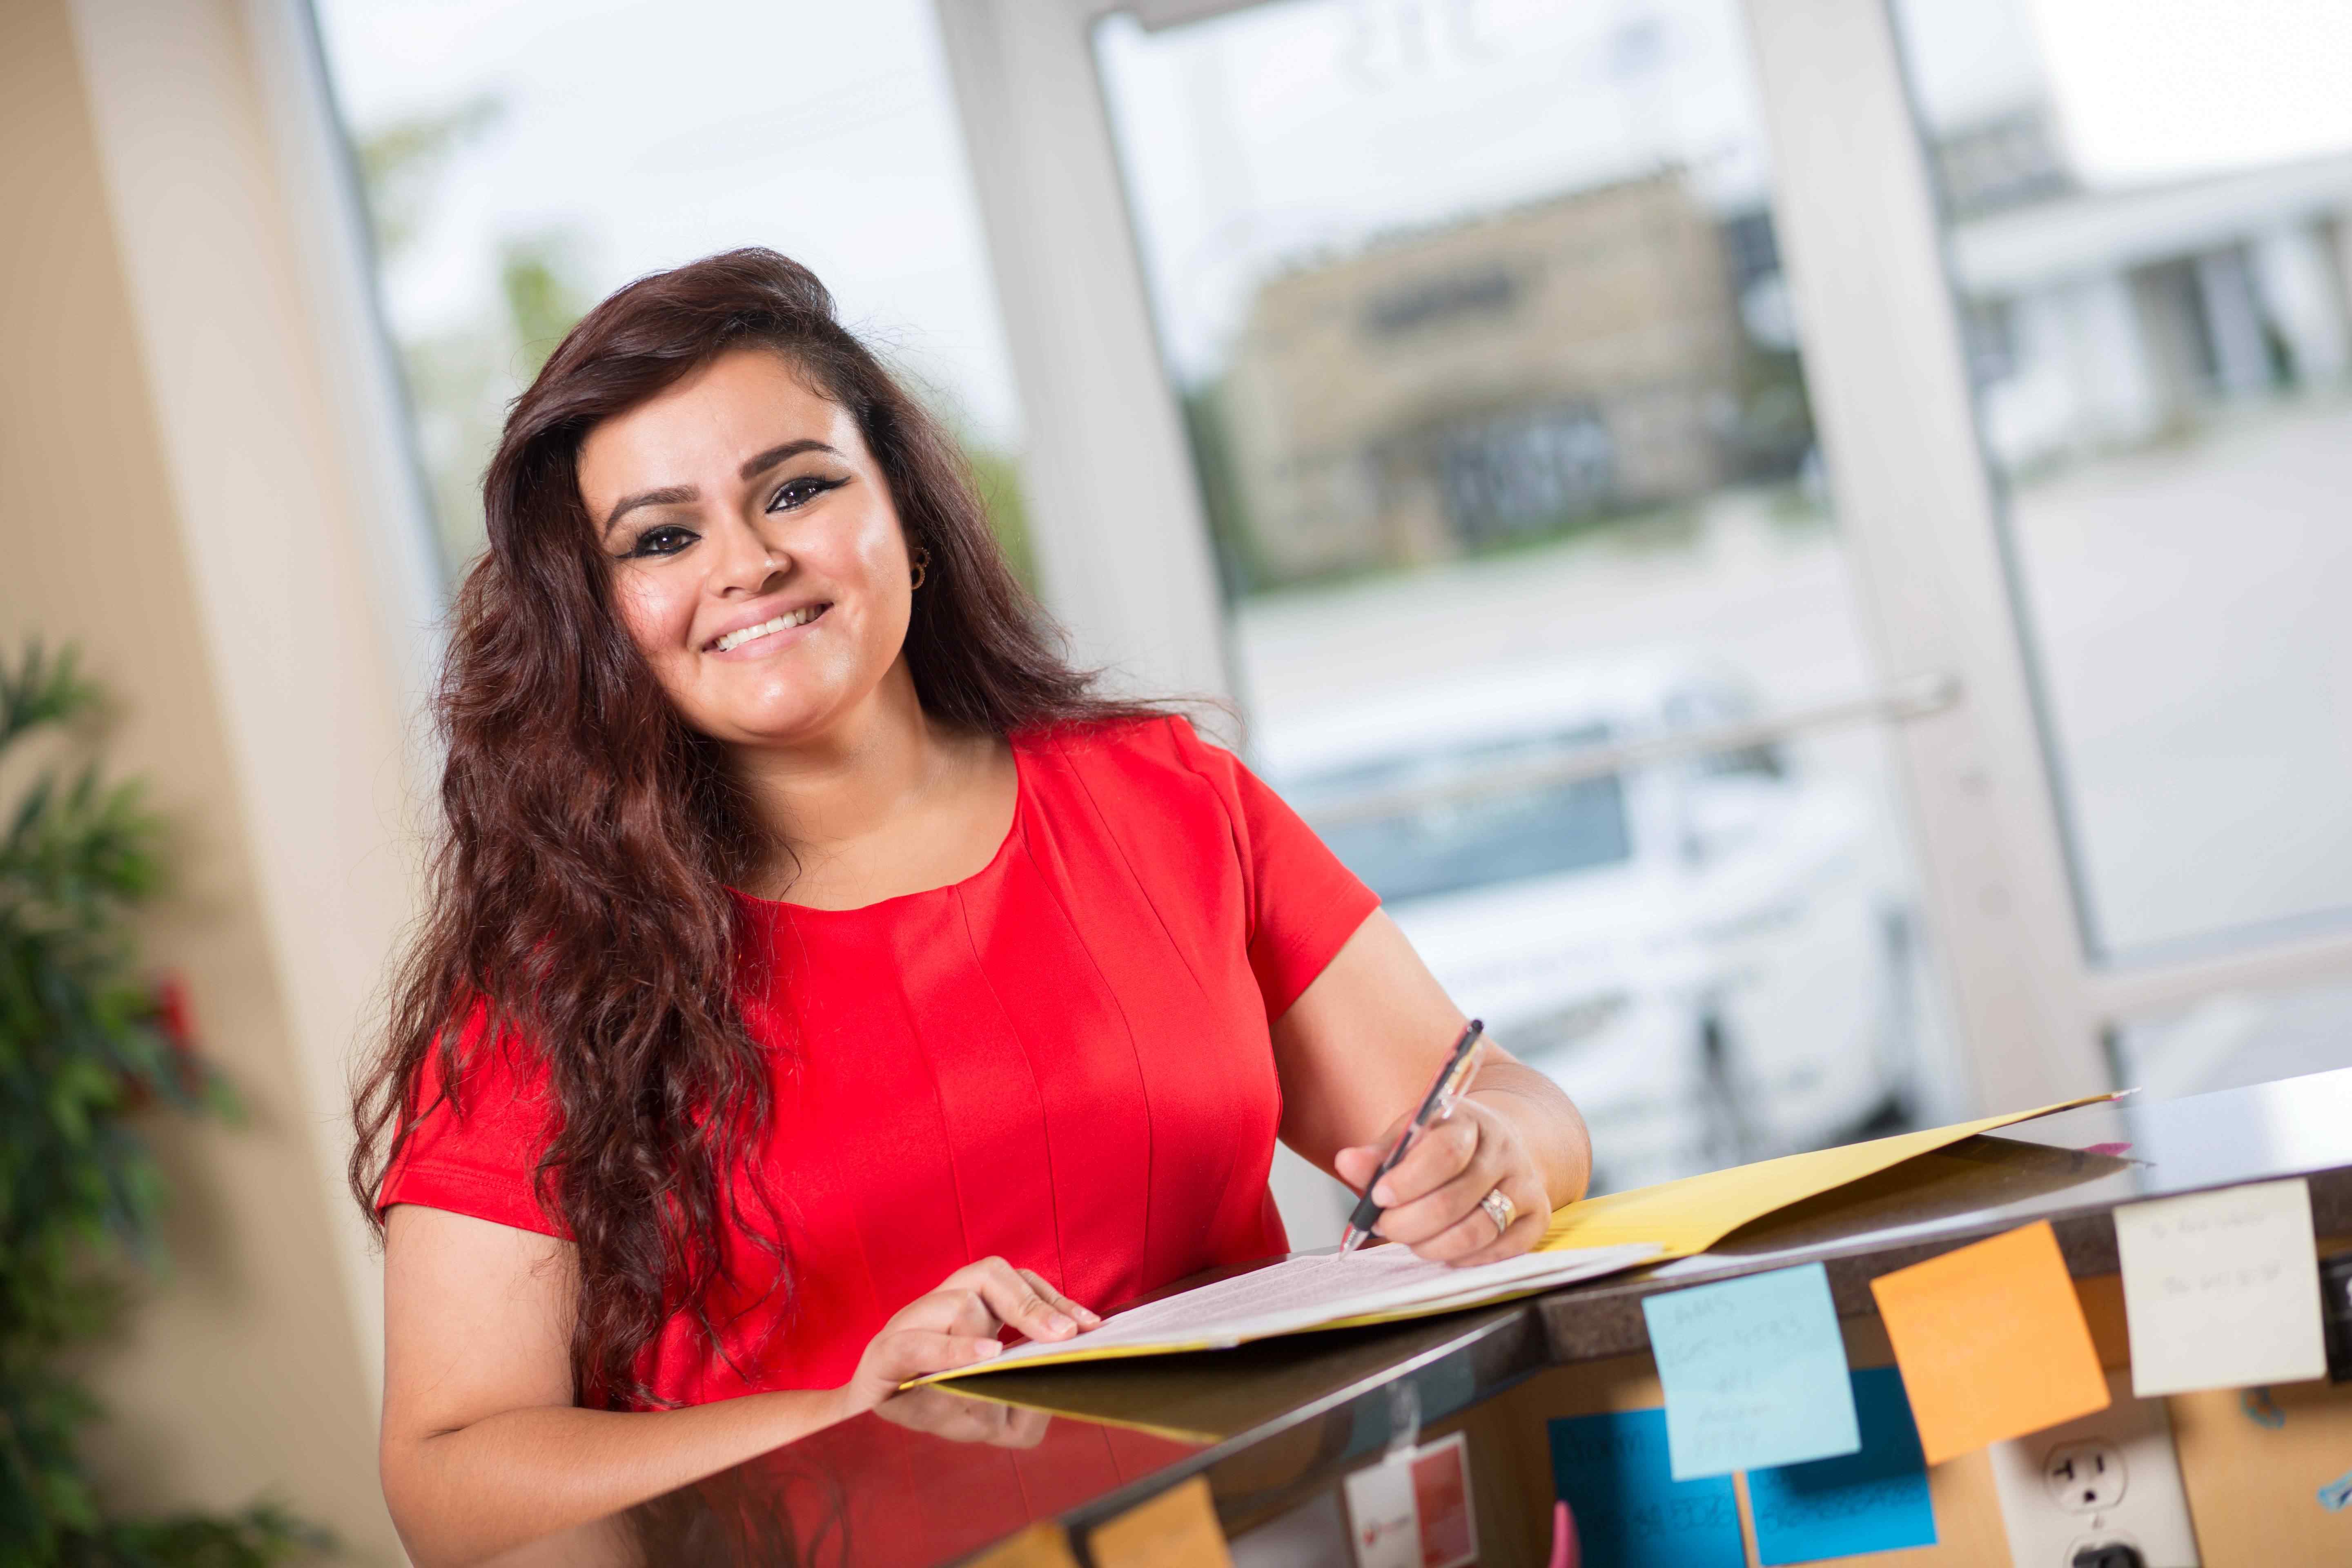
(656, 621)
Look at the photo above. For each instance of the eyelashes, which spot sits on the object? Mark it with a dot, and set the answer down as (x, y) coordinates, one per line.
(800, 492)
(666, 538)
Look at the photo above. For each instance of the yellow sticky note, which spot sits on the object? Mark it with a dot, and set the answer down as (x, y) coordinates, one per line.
(1042, 1545)
(1178, 1529)
(1694, 1214)
(1991, 1342)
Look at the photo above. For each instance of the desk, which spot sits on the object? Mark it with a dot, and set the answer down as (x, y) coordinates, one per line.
(1276, 1426)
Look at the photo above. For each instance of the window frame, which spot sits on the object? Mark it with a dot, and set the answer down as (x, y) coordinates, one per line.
(1856, 217)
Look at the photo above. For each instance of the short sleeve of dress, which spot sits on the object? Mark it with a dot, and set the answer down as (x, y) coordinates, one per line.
(472, 1147)
(1304, 904)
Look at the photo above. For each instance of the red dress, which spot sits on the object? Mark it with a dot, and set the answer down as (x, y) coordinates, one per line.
(1064, 1059)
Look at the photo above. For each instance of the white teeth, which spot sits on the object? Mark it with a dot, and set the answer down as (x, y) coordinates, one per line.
(798, 617)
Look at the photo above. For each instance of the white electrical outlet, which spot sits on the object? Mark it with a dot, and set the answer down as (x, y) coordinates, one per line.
(2109, 1480)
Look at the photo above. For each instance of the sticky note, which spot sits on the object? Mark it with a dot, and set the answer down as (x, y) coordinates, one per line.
(1042, 1545)
(1991, 1342)
(1178, 1529)
(1754, 1370)
(1612, 1471)
(1873, 1501)
(2221, 1288)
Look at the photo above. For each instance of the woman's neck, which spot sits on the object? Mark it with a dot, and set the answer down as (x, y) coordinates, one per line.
(887, 802)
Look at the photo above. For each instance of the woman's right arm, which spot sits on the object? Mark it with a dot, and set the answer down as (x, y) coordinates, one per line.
(482, 1448)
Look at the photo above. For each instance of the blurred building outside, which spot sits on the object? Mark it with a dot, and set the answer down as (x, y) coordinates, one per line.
(1504, 378)
(1504, 450)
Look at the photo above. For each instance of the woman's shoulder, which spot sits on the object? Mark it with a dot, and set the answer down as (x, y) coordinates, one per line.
(1125, 745)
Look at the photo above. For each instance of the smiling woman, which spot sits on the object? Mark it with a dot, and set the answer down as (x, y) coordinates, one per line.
(820, 978)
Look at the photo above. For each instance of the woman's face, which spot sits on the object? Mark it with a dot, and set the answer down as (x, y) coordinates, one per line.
(757, 559)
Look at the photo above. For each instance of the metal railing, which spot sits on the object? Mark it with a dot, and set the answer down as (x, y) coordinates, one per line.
(1898, 702)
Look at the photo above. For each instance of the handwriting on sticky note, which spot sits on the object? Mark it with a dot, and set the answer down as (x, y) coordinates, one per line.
(2221, 1288)
(1612, 1471)
(1178, 1529)
(1991, 1342)
(1754, 1371)
(1873, 1499)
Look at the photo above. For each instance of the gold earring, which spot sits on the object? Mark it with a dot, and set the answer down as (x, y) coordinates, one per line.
(922, 565)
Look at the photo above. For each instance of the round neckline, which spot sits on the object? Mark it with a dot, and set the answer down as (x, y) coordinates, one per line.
(774, 907)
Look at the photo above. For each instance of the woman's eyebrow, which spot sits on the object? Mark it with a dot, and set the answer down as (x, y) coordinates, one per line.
(669, 495)
(753, 466)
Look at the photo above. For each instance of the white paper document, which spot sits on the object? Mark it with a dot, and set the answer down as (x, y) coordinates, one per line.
(1311, 1292)
(2221, 1288)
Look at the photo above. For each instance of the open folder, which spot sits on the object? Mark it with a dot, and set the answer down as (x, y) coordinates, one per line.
(1588, 1240)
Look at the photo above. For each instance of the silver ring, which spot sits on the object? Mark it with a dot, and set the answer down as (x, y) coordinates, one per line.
(1500, 1209)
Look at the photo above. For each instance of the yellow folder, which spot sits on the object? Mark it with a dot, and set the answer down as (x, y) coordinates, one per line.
(1695, 1213)
(1678, 1217)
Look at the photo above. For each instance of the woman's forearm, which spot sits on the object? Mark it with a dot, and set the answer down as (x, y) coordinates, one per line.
(464, 1496)
(1548, 1122)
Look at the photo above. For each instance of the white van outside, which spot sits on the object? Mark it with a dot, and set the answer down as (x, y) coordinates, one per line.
(1713, 955)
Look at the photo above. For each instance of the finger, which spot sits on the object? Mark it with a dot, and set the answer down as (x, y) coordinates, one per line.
(1053, 1298)
(1355, 1166)
(1452, 1202)
(1526, 1227)
(1015, 1301)
(1439, 1155)
(909, 1353)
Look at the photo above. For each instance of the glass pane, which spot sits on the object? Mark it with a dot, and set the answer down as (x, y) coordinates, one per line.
(2235, 1039)
(1477, 318)
(2148, 214)
(524, 158)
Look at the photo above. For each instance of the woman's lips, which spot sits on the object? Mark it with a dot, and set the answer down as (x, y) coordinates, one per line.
(757, 637)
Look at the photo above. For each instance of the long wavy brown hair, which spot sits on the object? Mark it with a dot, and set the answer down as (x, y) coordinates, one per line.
(577, 890)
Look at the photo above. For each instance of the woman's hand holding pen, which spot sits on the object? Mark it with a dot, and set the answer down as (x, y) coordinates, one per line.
(1430, 1198)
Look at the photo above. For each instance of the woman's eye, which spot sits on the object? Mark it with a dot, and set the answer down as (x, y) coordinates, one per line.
(800, 492)
(666, 539)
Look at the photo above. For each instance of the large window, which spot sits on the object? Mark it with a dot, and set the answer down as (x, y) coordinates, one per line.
(2148, 218)
(522, 158)
(1477, 318)
(2147, 215)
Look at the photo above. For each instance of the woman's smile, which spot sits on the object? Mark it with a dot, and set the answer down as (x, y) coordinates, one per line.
(760, 638)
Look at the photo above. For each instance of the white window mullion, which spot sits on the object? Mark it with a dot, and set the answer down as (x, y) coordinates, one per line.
(1115, 512)
(1889, 383)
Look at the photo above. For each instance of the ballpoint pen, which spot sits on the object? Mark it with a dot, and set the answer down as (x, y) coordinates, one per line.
(1435, 1106)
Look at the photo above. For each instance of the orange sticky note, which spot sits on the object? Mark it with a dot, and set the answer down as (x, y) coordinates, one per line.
(1992, 1342)
(1178, 1529)
(1042, 1545)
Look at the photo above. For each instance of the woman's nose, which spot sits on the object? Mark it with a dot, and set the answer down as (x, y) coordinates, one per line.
(748, 561)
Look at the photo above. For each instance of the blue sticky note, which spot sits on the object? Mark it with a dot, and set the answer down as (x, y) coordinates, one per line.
(1875, 1501)
(1754, 1370)
(1630, 1512)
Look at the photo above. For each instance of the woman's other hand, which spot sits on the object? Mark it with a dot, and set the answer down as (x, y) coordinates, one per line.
(1430, 1200)
(957, 1325)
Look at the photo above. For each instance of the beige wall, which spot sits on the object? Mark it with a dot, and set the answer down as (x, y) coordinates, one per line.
(249, 1371)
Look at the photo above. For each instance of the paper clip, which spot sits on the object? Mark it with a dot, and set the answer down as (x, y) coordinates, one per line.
(1404, 1418)
(2261, 1408)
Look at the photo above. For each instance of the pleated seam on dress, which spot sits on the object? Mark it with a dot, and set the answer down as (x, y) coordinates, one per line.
(1044, 1123)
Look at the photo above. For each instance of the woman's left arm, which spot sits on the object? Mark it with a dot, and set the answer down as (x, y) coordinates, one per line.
(1357, 1051)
